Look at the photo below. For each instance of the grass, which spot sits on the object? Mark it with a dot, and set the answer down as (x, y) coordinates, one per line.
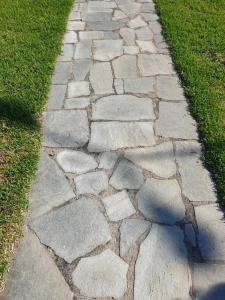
(30, 39)
(195, 31)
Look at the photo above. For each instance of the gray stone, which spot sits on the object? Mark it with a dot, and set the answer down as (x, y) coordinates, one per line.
(74, 15)
(103, 275)
(50, 188)
(158, 159)
(66, 52)
(105, 25)
(76, 161)
(118, 206)
(106, 136)
(34, 275)
(81, 102)
(195, 179)
(161, 270)
(81, 68)
(101, 78)
(147, 7)
(98, 5)
(91, 183)
(106, 50)
(98, 16)
(126, 176)
(63, 67)
(108, 160)
(155, 27)
(144, 34)
(65, 128)
(98, 35)
(60, 78)
(125, 66)
(56, 97)
(211, 227)
(78, 88)
(128, 36)
(130, 50)
(123, 108)
(168, 88)
(190, 234)
(75, 25)
(155, 64)
(70, 37)
(208, 281)
(118, 15)
(139, 85)
(130, 8)
(73, 230)
(137, 22)
(83, 50)
(118, 85)
(175, 121)
(161, 201)
(147, 46)
(130, 231)
(149, 16)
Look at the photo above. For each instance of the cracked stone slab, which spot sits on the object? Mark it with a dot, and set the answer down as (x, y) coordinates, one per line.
(130, 231)
(101, 78)
(81, 68)
(103, 275)
(125, 66)
(158, 159)
(172, 272)
(78, 88)
(155, 64)
(126, 176)
(80, 102)
(50, 187)
(106, 50)
(195, 179)
(65, 128)
(161, 201)
(139, 85)
(211, 227)
(108, 160)
(168, 88)
(128, 36)
(91, 183)
(76, 161)
(34, 275)
(118, 206)
(73, 230)
(106, 136)
(123, 108)
(175, 121)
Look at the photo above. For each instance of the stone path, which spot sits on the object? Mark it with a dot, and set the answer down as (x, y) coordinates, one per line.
(122, 207)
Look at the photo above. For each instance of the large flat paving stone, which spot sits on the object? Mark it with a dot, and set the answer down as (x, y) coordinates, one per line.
(130, 8)
(98, 35)
(159, 159)
(126, 176)
(77, 103)
(65, 128)
(101, 78)
(211, 227)
(56, 96)
(73, 230)
(83, 50)
(161, 270)
(175, 121)
(139, 85)
(154, 64)
(195, 179)
(76, 161)
(81, 68)
(103, 275)
(106, 50)
(161, 201)
(78, 89)
(144, 34)
(50, 187)
(34, 275)
(168, 88)
(106, 136)
(128, 36)
(125, 66)
(123, 108)
(105, 25)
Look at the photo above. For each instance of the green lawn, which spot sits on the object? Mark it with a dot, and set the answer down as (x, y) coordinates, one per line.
(195, 31)
(30, 39)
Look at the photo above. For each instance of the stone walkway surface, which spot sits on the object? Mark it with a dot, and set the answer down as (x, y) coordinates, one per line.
(122, 207)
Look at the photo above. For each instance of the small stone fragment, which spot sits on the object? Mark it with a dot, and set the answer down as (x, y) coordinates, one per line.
(125, 66)
(168, 88)
(106, 50)
(101, 78)
(91, 183)
(128, 36)
(136, 22)
(108, 160)
(78, 88)
(155, 64)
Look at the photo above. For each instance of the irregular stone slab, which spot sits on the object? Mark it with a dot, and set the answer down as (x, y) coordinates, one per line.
(128, 36)
(190, 234)
(196, 184)
(147, 46)
(101, 4)
(175, 121)
(70, 37)
(83, 50)
(137, 22)
(208, 280)
(64, 128)
(108, 160)
(118, 15)
(126, 176)
(74, 15)
(81, 102)
(91, 183)
(125, 66)
(66, 52)
(106, 136)
(101, 78)
(76, 161)
(50, 187)
(81, 68)
(144, 34)
(63, 67)
(154, 64)
(130, 231)
(60, 78)
(106, 50)
(147, 7)
(98, 16)
(78, 88)
(139, 85)
(73, 230)
(34, 275)
(155, 27)
(211, 227)
(130, 50)
(168, 88)
(105, 25)
(98, 35)
(56, 97)
(130, 8)
(161, 201)
(158, 159)
(75, 25)
(123, 107)
(147, 16)
(118, 206)
(118, 85)
(103, 275)
(164, 248)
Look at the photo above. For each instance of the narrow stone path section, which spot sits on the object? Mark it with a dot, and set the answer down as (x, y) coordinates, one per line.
(122, 207)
